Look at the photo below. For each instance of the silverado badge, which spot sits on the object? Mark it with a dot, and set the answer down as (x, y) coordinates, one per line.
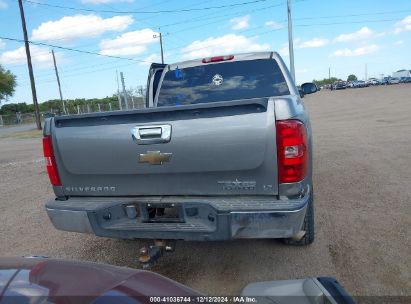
(154, 157)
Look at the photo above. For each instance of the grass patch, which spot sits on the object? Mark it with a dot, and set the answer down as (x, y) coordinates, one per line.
(25, 134)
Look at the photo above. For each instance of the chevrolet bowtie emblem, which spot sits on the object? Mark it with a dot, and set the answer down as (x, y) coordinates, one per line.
(154, 157)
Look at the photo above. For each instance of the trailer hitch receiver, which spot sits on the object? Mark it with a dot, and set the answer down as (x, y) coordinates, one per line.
(149, 254)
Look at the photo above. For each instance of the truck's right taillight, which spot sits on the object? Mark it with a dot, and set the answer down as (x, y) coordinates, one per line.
(50, 161)
(292, 151)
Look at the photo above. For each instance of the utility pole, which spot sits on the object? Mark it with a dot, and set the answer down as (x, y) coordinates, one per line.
(118, 92)
(290, 40)
(32, 83)
(161, 45)
(124, 89)
(329, 73)
(366, 76)
(58, 82)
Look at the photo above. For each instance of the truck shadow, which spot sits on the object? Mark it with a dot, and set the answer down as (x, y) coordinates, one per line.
(222, 268)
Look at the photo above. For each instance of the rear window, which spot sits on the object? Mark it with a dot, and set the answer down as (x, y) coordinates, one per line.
(222, 82)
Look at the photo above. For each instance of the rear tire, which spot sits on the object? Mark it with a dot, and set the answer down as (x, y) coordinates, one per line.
(308, 226)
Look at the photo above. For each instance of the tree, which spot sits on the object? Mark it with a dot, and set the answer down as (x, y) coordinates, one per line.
(325, 81)
(7, 83)
(12, 108)
(352, 77)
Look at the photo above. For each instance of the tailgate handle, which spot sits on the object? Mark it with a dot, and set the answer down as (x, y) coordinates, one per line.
(150, 133)
(146, 135)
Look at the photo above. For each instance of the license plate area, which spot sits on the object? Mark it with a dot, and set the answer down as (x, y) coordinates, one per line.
(162, 213)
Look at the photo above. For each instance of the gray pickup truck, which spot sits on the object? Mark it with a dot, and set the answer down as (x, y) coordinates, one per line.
(222, 151)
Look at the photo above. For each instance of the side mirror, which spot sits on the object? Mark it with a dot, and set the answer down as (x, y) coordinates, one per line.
(309, 88)
(301, 92)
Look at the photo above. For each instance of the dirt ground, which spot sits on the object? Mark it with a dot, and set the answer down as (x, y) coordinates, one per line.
(362, 155)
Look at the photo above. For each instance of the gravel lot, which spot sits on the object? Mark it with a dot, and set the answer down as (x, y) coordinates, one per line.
(362, 154)
(4, 131)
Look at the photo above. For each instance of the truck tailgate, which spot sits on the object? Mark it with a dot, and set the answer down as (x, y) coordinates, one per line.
(213, 149)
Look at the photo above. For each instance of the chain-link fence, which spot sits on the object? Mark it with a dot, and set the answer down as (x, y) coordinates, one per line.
(72, 109)
(17, 118)
(134, 103)
(131, 104)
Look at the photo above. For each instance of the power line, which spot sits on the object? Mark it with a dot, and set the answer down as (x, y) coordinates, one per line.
(347, 22)
(239, 13)
(201, 18)
(155, 4)
(113, 37)
(352, 15)
(180, 46)
(297, 25)
(193, 20)
(83, 73)
(81, 68)
(122, 58)
(145, 12)
(128, 64)
(139, 20)
(50, 45)
(238, 32)
(173, 34)
(143, 20)
(252, 29)
(222, 19)
(119, 66)
(72, 49)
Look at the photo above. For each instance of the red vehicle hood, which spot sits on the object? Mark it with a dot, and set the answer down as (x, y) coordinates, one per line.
(38, 280)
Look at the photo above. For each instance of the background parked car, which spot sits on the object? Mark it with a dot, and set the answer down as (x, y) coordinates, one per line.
(405, 79)
(360, 84)
(339, 85)
(385, 80)
(394, 80)
(357, 84)
(373, 81)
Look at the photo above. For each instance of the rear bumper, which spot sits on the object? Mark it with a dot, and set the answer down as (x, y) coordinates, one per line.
(200, 218)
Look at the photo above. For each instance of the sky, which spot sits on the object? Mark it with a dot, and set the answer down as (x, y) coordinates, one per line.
(347, 37)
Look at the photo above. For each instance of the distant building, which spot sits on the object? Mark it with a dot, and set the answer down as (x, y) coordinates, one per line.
(402, 73)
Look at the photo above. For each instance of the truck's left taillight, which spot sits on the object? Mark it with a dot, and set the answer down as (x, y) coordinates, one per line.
(50, 161)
